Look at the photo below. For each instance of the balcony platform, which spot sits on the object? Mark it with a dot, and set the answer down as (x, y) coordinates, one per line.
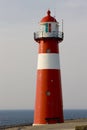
(48, 35)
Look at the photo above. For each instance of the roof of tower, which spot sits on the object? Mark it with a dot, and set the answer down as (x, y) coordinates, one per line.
(48, 18)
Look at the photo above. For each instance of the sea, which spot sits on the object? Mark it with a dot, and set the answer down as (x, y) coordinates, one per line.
(20, 117)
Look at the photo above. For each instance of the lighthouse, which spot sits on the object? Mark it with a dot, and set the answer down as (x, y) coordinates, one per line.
(48, 101)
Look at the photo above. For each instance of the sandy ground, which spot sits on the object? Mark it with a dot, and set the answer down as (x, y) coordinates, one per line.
(67, 125)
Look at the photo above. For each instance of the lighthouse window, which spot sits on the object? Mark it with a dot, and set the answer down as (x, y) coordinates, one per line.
(46, 27)
(48, 93)
(56, 25)
(51, 80)
(49, 27)
(42, 28)
(48, 50)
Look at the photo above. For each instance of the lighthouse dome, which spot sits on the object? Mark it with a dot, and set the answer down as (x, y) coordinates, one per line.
(48, 18)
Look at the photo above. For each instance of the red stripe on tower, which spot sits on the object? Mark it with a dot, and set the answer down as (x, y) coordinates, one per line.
(48, 104)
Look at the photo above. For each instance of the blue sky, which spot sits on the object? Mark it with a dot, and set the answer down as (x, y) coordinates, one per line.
(18, 51)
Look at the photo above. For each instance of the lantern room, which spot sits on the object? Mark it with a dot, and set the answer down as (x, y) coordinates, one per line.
(48, 28)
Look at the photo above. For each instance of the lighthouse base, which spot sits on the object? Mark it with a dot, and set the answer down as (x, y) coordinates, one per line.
(48, 122)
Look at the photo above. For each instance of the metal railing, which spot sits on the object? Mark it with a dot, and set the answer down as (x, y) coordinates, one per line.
(54, 34)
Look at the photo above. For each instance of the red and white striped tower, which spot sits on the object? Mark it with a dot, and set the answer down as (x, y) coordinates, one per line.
(48, 105)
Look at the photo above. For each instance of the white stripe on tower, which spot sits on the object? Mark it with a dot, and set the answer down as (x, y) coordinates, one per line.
(48, 61)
